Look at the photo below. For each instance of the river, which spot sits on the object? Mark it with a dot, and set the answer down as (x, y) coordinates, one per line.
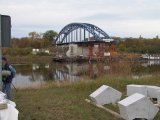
(36, 75)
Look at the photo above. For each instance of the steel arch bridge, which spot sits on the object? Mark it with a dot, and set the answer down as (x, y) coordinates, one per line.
(81, 32)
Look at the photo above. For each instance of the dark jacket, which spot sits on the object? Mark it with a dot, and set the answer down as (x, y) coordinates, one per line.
(7, 79)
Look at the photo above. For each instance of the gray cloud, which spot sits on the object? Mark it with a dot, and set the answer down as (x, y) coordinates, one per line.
(137, 15)
(114, 16)
(105, 16)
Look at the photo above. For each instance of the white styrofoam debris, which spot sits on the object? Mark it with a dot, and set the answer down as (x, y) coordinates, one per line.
(137, 106)
(152, 91)
(147, 90)
(2, 96)
(10, 113)
(105, 95)
(131, 89)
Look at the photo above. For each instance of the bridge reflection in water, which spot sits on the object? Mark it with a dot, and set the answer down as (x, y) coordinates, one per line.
(36, 75)
(77, 71)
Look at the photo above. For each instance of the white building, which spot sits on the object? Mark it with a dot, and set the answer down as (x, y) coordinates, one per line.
(36, 51)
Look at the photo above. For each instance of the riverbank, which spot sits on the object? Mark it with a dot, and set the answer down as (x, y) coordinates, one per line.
(48, 59)
(29, 59)
(66, 101)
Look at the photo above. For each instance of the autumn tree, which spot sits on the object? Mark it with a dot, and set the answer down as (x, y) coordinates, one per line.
(34, 35)
(50, 35)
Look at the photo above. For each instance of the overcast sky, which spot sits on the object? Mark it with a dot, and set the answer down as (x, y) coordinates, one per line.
(124, 18)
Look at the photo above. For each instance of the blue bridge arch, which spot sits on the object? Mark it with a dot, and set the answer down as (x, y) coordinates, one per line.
(81, 32)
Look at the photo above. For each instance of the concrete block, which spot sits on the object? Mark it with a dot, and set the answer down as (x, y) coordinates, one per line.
(131, 89)
(105, 95)
(137, 106)
(152, 91)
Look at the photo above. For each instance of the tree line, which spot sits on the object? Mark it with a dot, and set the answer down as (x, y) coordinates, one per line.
(138, 45)
(24, 45)
(34, 40)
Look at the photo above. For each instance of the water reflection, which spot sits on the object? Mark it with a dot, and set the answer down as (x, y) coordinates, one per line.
(145, 69)
(151, 63)
(79, 71)
(38, 74)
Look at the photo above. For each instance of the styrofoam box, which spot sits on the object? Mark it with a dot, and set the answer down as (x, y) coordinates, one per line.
(105, 95)
(137, 106)
(131, 89)
(149, 91)
(152, 91)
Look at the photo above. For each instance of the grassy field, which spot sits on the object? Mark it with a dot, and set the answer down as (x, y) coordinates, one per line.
(66, 101)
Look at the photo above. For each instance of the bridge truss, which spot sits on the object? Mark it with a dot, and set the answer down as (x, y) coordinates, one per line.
(81, 32)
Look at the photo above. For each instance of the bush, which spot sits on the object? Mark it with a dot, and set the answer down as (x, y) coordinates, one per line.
(5, 51)
(17, 51)
(42, 54)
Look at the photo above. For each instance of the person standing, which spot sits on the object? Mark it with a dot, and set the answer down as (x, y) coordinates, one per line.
(6, 79)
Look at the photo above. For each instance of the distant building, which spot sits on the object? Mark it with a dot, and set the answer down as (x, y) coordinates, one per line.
(36, 51)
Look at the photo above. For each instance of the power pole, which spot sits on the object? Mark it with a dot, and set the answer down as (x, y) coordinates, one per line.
(0, 54)
(5, 38)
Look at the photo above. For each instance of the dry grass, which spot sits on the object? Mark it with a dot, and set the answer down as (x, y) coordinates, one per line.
(65, 101)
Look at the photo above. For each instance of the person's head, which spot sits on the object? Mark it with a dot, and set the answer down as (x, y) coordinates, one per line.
(4, 60)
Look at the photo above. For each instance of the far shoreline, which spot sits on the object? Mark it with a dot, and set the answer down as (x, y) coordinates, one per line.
(29, 59)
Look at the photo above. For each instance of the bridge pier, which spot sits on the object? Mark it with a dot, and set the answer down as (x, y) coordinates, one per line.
(101, 49)
(90, 49)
